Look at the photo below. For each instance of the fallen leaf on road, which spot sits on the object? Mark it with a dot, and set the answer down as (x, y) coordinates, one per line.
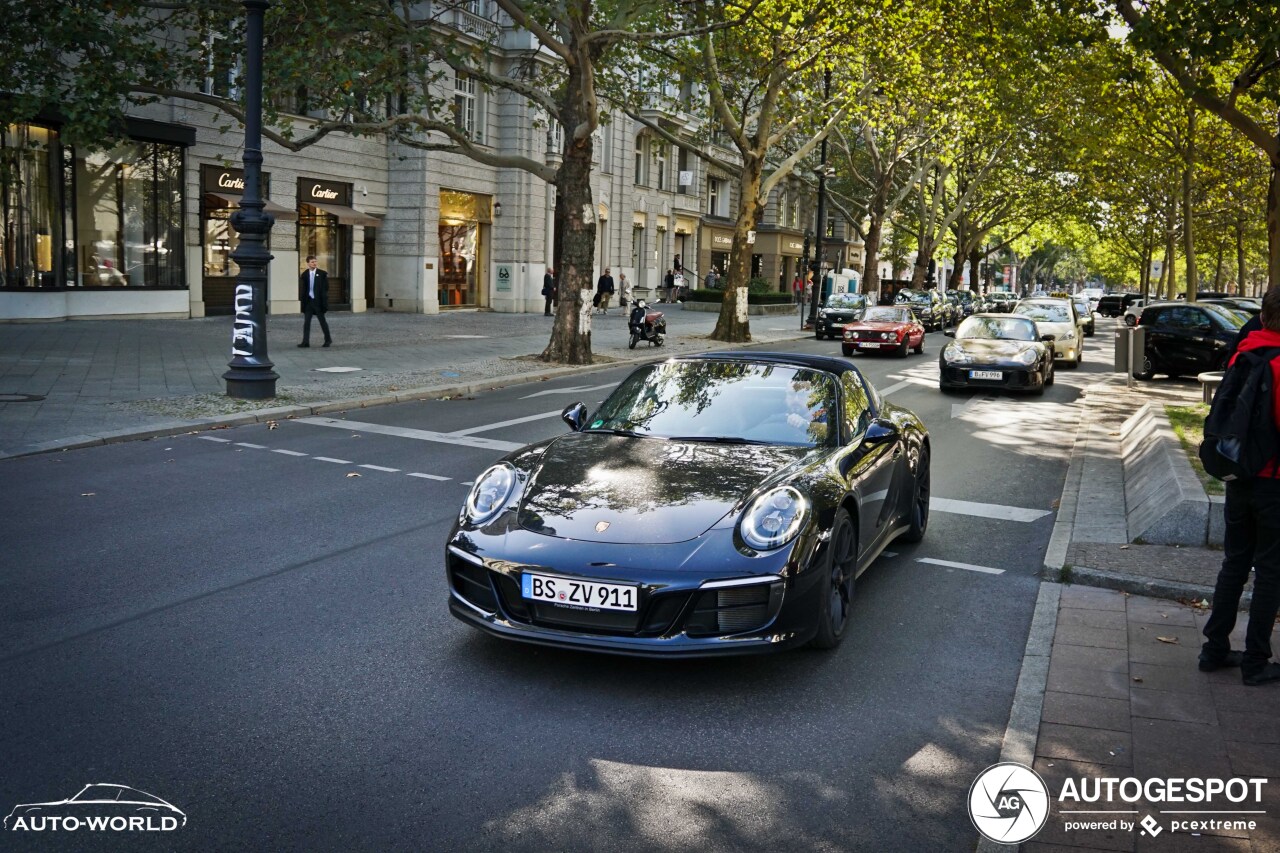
(272, 424)
(1054, 505)
(1124, 547)
(1137, 679)
(1171, 640)
(353, 474)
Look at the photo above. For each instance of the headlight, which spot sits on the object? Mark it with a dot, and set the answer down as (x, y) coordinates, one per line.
(955, 355)
(1027, 357)
(490, 493)
(1068, 335)
(774, 519)
(888, 336)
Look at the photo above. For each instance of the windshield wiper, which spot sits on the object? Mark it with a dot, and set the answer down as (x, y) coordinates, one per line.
(716, 439)
(627, 432)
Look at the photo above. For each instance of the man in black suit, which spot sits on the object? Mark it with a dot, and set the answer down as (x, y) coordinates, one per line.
(313, 291)
(549, 291)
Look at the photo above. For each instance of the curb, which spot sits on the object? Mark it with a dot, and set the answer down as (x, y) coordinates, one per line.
(1150, 587)
(169, 428)
(1023, 731)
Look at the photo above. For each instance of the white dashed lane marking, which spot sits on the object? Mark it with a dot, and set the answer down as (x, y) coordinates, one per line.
(253, 446)
(431, 477)
(418, 434)
(981, 510)
(288, 452)
(282, 451)
(380, 468)
(215, 438)
(328, 459)
(968, 567)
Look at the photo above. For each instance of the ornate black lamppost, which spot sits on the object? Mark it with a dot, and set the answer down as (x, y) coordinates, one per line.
(251, 376)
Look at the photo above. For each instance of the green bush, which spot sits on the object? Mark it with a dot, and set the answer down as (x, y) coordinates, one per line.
(759, 285)
(752, 298)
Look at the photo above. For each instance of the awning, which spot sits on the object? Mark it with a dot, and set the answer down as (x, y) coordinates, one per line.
(347, 215)
(279, 211)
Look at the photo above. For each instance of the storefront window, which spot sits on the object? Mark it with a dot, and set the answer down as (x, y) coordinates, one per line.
(29, 184)
(128, 204)
(320, 234)
(463, 222)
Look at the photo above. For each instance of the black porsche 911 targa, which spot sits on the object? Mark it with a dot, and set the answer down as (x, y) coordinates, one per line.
(714, 504)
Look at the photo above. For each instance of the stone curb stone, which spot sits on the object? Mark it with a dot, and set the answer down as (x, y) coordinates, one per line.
(1165, 504)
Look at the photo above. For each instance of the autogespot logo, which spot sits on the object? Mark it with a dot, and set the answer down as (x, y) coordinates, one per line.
(98, 808)
(1008, 803)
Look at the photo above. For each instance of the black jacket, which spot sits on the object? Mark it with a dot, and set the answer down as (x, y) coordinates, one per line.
(321, 303)
(605, 284)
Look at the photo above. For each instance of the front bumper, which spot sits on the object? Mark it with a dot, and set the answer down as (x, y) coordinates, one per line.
(681, 611)
(1017, 378)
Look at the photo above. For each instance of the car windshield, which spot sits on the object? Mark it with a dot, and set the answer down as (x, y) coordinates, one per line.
(98, 792)
(1043, 312)
(1233, 318)
(887, 315)
(723, 400)
(912, 296)
(997, 328)
(846, 300)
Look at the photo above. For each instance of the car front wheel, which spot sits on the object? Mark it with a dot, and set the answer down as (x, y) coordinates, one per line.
(1148, 370)
(847, 350)
(835, 594)
(918, 517)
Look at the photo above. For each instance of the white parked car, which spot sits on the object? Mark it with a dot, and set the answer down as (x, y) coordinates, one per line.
(1057, 317)
(1133, 312)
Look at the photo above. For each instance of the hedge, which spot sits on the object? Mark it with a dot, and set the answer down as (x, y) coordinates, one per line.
(752, 298)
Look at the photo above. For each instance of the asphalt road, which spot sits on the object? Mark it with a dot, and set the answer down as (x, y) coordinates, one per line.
(255, 629)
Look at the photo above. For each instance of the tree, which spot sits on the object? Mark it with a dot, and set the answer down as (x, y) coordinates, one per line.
(1225, 58)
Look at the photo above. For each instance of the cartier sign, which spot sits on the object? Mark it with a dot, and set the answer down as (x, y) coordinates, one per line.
(332, 192)
(221, 179)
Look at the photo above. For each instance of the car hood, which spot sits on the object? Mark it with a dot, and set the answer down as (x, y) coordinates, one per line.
(991, 348)
(1058, 330)
(878, 326)
(613, 489)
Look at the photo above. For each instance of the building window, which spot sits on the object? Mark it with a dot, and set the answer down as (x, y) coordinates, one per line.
(715, 196)
(637, 254)
(222, 68)
(464, 104)
(784, 203)
(682, 161)
(606, 147)
(641, 177)
(660, 163)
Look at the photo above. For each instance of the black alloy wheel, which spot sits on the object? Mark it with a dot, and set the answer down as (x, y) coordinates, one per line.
(919, 510)
(1148, 370)
(817, 335)
(835, 594)
(847, 350)
(1050, 375)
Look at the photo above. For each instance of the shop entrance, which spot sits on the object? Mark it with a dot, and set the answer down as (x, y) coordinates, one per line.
(464, 235)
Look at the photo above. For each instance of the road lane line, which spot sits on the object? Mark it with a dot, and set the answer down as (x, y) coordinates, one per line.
(328, 459)
(247, 444)
(417, 434)
(968, 567)
(903, 384)
(501, 424)
(889, 554)
(431, 477)
(215, 438)
(981, 510)
(380, 468)
(288, 452)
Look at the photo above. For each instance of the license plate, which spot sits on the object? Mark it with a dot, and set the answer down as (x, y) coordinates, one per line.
(578, 593)
(868, 345)
(986, 374)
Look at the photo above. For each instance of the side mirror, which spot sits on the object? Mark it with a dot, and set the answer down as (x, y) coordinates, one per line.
(575, 415)
(1048, 339)
(880, 432)
(950, 333)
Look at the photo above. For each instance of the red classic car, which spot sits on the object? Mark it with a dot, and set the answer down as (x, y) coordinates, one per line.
(884, 328)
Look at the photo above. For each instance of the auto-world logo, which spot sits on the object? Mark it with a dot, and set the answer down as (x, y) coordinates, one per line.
(98, 808)
(1008, 803)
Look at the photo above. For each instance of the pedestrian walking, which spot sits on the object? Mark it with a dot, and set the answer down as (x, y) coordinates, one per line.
(549, 293)
(669, 286)
(313, 293)
(624, 290)
(1251, 541)
(604, 291)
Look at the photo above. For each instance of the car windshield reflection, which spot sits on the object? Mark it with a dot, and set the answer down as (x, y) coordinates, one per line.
(846, 300)
(708, 401)
(997, 328)
(887, 315)
(1046, 313)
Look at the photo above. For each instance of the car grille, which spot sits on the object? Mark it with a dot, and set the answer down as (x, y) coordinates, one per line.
(1013, 377)
(471, 582)
(654, 618)
(733, 610)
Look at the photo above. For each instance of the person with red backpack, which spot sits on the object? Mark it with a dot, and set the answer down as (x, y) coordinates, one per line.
(1252, 537)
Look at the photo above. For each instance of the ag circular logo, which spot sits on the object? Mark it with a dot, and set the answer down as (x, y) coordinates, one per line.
(1008, 803)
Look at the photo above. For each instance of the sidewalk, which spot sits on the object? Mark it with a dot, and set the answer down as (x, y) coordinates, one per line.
(83, 383)
(1124, 698)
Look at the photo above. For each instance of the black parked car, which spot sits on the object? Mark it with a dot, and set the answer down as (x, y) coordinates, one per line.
(1184, 338)
(927, 305)
(1000, 302)
(714, 504)
(1115, 304)
(1085, 313)
(836, 312)
(1250, 307)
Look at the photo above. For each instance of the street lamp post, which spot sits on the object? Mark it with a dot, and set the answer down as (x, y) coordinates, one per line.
(821, 230)
(250, 375)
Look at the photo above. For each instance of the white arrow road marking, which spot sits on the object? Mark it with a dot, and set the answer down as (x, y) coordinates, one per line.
(968, 567)
(417, 434)
(501, 424)
(958, 409)
(574, 390)
(996, 511)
